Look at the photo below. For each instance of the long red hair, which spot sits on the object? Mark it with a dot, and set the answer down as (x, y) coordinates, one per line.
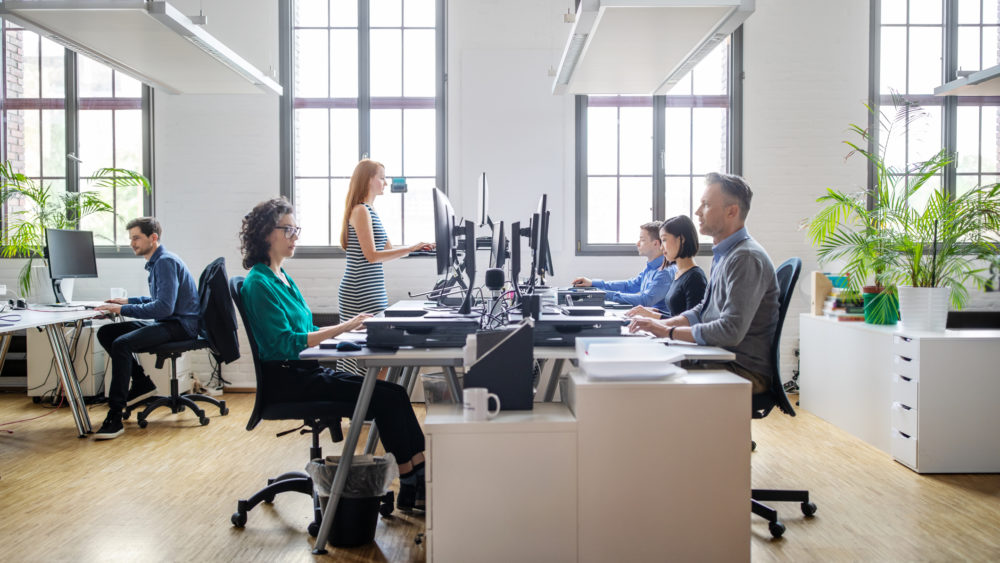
(357, 191)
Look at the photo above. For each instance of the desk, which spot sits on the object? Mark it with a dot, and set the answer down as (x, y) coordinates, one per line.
(710, 460)
(51, 322)
(624, 471)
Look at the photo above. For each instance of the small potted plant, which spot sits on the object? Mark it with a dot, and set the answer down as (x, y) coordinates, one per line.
(24, 229)
(928, 253)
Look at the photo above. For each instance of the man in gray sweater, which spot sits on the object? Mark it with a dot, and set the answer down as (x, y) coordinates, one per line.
(740, 309)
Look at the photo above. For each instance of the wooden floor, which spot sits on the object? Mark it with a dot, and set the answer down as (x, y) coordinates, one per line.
(165, 493)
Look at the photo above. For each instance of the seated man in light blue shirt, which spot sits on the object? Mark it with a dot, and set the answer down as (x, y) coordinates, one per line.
(650, 287)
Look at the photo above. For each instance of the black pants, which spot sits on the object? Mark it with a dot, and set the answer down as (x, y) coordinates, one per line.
(120, 340)
(304, 381)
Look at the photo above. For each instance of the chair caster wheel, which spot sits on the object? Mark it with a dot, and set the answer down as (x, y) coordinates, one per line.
(142, 422)
(385, 509)
(203, 420)
(313, 529)
(239, 519)
(808, 508)
(224, 411)
(126, 414)
(753, 446)
(418, 539)
(776, 528)
(269, 500)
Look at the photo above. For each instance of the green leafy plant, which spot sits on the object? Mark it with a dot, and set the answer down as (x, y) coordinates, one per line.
(894, 242)
(24, 229)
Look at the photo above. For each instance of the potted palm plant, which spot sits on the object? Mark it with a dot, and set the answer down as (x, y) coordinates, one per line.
(929, 253)
(42, 208)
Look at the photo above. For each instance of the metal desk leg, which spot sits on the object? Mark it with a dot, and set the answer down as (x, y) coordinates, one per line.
(410, 376)
(550, 388)
(67, 374)
(372, 442)
(452, 378)
(346, 457)
(5, 339)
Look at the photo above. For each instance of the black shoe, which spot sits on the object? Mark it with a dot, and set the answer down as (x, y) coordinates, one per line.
(112, 427)
(142, 388)
(407, 498)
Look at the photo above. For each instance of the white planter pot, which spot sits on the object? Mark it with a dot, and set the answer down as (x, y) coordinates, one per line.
(924, 308)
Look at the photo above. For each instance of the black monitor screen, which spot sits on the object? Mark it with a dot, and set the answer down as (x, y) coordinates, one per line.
(70, 254)
(498, 246)
(444, 235)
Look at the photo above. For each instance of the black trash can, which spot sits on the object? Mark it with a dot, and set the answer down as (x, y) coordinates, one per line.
(357, 513)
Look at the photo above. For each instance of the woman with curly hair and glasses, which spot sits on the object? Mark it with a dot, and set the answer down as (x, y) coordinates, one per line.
(282, 326)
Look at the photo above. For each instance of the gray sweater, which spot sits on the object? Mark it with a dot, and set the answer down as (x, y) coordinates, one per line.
(742, 310)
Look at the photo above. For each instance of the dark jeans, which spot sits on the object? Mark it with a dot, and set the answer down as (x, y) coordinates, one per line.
(302, 381)
(121, 340)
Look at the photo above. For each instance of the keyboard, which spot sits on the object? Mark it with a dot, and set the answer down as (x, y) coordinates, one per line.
(422, 253)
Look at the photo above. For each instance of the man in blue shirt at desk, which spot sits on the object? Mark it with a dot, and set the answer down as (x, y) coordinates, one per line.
(650, 287)
(169, 313)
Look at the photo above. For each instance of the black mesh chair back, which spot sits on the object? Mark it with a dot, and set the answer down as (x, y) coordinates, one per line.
(788, 275)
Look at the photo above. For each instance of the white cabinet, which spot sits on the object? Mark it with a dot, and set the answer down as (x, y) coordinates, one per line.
(502, 490)
(89, 363)
(664, 468)
(930, 399)
(945, 394)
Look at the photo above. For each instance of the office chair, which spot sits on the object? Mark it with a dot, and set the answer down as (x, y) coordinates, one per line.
(787, 274)
(214, 304)
(316, 416)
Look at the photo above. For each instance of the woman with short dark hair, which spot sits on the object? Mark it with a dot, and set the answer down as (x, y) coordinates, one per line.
(679, 238)
(282, 326)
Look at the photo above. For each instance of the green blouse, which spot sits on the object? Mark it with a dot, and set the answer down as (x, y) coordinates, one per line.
(278, 314)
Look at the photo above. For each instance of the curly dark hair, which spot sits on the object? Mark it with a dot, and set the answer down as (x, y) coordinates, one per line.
(257, 226)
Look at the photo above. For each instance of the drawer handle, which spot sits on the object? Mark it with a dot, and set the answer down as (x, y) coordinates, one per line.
(904, 434)
(905, 359)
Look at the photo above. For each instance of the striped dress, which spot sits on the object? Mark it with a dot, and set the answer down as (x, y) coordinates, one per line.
(362, 289)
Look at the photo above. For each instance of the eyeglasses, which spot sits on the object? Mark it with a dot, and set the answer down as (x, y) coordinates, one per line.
(290, 231)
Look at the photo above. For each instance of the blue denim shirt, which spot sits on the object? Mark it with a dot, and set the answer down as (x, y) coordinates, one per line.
(648, 289)
(173, 294)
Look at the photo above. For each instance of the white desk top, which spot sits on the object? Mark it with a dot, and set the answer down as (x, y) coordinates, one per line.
(544, 417)
(692, 377)
(900, 328)
(32, 319)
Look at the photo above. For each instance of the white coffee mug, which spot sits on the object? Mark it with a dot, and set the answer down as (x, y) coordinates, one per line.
(118, 293)
(475, 404)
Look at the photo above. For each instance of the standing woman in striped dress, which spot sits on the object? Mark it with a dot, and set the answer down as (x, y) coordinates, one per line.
(362, 289)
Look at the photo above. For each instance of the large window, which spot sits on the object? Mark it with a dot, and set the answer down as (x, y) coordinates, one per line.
(641, 158)
(59, 132)
(366, 80)
(920, 45)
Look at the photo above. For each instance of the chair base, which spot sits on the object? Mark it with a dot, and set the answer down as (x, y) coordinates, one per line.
(177, 403)
(292, 482)
(778, 495)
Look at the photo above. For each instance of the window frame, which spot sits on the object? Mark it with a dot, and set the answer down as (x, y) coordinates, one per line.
(70, 104)
(734, 156)
(949, 104)
(286, 39)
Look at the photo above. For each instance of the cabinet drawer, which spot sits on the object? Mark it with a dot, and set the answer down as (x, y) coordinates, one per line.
(904, 390)
(904, 448)
(906, 346)
(906, 366)
(904, 419)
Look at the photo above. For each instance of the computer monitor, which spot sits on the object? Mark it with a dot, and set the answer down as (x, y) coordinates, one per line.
(498, 246)
(444, 232)
(469, 261)
(483, 202)
(71, 255)
(538, 241)
(515, 259)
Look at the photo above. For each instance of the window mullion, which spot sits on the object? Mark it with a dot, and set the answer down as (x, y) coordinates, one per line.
(364, 79)
(949, 107)
(72, 122)
(659, 148)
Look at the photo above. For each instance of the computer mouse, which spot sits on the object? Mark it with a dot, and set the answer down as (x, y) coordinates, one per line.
(347, 346)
